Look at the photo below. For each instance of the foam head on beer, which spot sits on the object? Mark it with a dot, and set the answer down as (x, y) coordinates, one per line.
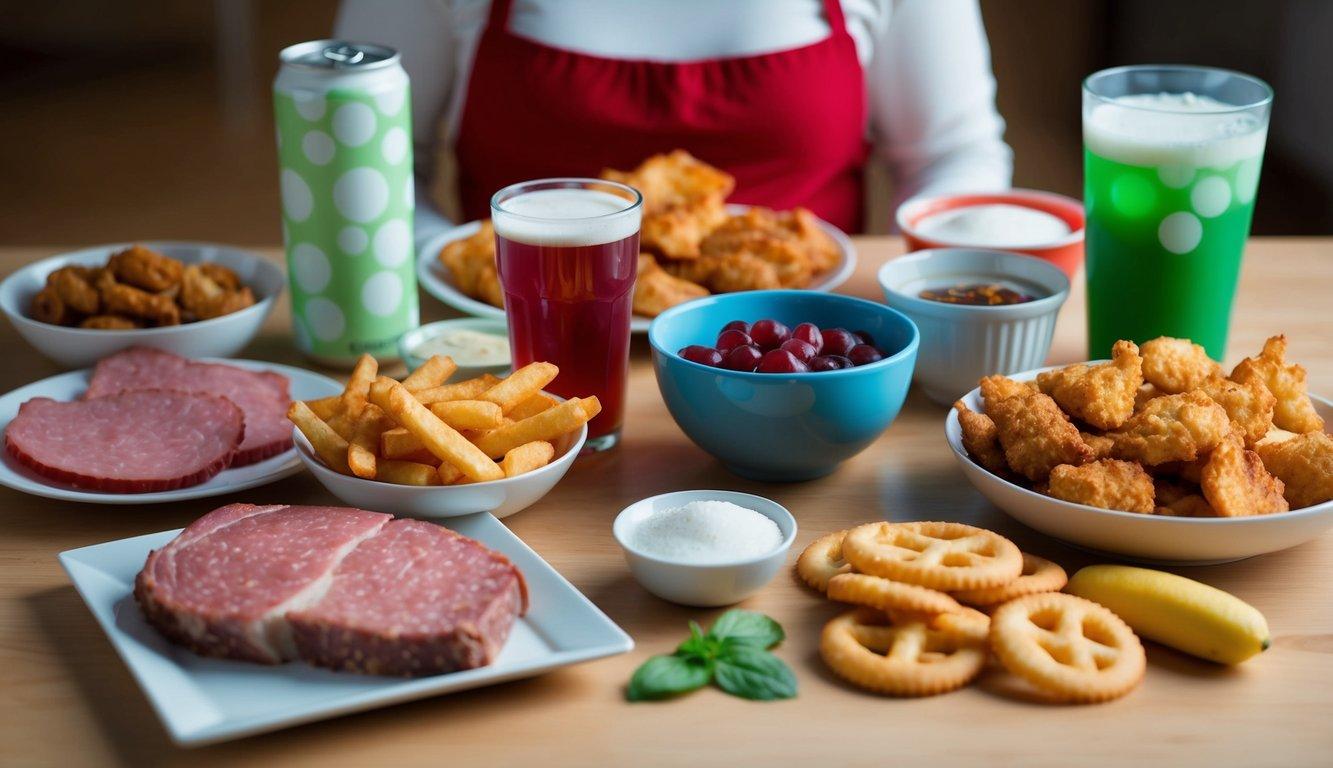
(566, 217)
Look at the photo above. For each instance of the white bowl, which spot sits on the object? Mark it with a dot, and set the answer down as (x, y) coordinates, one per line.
(80, 347)
(1149, 538)
(961, 343)
(482, 324)
(501, 498)
(709, 585)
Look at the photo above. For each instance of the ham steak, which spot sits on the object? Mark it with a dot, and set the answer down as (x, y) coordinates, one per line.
(133, 442)
(262, 395)
(333, 586)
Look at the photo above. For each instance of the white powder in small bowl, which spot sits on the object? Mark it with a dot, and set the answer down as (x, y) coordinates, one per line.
(706, 532)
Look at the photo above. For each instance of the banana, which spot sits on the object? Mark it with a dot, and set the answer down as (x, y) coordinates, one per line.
(1176, 611)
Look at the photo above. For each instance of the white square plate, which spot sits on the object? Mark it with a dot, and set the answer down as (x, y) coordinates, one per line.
(202, 700)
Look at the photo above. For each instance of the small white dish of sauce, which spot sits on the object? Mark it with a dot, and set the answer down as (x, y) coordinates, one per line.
(478, 345)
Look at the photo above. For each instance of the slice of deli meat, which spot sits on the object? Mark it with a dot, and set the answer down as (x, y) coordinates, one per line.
(416, 599)
(134, 442)
(262, 395)
(223, 587)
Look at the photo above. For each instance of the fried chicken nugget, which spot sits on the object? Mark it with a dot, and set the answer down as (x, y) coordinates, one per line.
(1305, 466)
(1172, 428)
(1035, 434)
(1146, 393)
(655, 291)
(471, 265)
(144, 268)
(205, 298)
(981, 439)
(1101, 395)
(1248, 405)
(73, 285)
(111, 323)
(758, 233)
(1294, 411)
(1236, 484)
(1101, 445)
(48, 307)
(1105, 483)
(819, 247)
(120, 299)
(221, 275)
(1177, 365)
(669, 179)
(676, 231)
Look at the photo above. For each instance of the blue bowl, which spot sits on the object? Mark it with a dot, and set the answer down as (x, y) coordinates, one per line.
(783, 426)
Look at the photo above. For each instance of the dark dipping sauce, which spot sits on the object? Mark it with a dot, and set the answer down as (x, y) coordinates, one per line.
(980, 294)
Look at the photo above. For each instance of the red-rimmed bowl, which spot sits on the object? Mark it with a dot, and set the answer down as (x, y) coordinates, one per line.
(1065, 253)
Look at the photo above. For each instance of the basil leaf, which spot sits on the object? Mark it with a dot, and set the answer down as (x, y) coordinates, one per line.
(747, 627)
(752, 673)
(662, 677)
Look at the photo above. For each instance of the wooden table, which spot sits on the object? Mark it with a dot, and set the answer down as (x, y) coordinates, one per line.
(65, 697)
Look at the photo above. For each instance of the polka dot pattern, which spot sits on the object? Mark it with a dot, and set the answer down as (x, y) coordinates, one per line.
(297, 200)
(310, 268)
(382, 293)
(1180, 232)
(1211, 197)
(326, 320)
(394, 147)
(352, 240)
(361, 194)
(393, 243)
(354, 124)
(318, 147)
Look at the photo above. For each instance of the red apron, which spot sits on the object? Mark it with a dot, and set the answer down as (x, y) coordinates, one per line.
(789, 125)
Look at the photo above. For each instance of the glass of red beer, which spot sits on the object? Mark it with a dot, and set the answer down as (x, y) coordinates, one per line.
(567, 253)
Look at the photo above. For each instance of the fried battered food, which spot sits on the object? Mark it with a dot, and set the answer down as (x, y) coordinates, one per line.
(673, 178)
(1177, 365)
(1248, 405)
(1107, 483)
(1172, 428)
(1035, 434)
(143, 268)
(1101, 395)
(656, 291)
(1236, 484)
(471, 264)
(224, 277)
(73, 286)
(1101, 445)
(110, 323)
(1304, 464)
(1173, 499)
(1146, 393)
(48, 307)
(676, 231)
(819, 247)
(757, 234)
(1294, 411)
(120, 299)
(206, 298)
(981, 439)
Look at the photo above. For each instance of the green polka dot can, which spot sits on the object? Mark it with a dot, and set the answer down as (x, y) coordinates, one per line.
(344, 131)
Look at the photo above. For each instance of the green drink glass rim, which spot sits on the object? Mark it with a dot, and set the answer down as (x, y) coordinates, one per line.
(564, 182)
(1264, 86)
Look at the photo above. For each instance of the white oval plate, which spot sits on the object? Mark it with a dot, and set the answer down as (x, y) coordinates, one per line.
(305, 385)
(432, 275)
(1150, 538)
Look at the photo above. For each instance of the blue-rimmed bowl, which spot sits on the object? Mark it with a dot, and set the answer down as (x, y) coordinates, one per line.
(782, 426)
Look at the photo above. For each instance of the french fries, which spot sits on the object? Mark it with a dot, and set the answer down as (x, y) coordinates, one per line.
(442, 440)
(470, 431)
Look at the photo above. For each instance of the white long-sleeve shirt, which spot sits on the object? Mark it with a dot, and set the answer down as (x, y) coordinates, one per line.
(930, 91)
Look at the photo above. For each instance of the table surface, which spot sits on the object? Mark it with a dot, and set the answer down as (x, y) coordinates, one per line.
(68, 699)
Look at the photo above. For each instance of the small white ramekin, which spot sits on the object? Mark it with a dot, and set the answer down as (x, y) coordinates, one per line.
(704, 585)
(962, 343)
(408, 342)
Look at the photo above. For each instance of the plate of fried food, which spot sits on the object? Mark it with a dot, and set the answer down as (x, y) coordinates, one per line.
(197, 299)
(693, 244)
(1156, 454)
(423, 448)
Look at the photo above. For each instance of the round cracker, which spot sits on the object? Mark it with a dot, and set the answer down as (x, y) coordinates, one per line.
(889, 595)
(1039, 575)
(898, 657)
(822, 560)
(939, 555)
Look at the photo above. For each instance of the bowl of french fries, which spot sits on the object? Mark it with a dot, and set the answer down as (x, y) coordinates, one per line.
(424, 448)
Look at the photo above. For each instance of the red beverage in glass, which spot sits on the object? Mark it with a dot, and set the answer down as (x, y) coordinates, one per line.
(567, 253)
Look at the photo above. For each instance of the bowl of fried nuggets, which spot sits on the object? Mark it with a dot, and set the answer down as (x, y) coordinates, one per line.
(1158, 454)
(193, 299)
(424, 448)
(693, 244)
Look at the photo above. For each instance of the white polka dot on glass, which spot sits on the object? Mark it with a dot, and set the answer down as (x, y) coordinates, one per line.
(1176, 176)
(382, 293)
(353, 240)
(325, 319)
(1211, 197)
(361, 194)
(394, 146)
(390, 102)
(393, 243)
(354, 124)
(318, 147)
(309, 105)
(1180, 232)
(310, 268)
(410, 192)
(297, 202)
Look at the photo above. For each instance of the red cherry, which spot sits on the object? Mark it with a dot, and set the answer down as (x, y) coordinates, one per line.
(743, 358)
(731, 339)
(809, 333)
(864, 354)
(769, 334)
(799, 349)
(865, 337)
(780, 361)
(838, 341)
(736, 325)
(698, 353)
(830, 363)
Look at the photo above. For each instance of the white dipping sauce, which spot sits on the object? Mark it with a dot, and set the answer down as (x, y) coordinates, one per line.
(466, 347)
(706, 532)
(995, 224)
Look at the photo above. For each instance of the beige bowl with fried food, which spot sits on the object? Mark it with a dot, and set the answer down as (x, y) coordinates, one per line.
(196, 299)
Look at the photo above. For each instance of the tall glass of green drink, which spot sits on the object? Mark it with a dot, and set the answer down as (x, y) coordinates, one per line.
(1171, 168)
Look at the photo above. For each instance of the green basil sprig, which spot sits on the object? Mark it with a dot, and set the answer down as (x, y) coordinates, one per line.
(733, 654)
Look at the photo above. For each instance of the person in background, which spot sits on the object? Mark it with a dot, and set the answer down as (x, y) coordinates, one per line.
(792, 97)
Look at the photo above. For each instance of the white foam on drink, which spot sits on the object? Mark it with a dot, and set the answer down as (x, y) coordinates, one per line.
(566, 217)
(994, 225)
(1154, 129)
